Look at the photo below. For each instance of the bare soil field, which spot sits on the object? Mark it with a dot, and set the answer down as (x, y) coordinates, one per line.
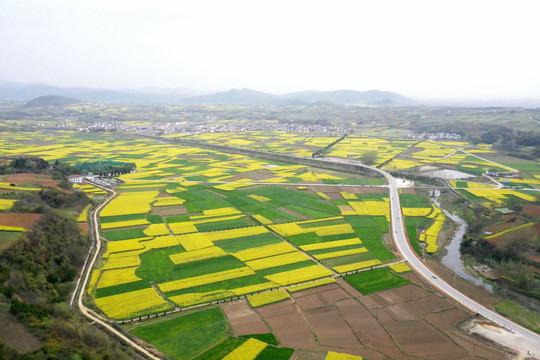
(84, 227)
(407, 322)
(169, 210)
(531, 210)
(32, 179)
(243, 319)
(24, 220)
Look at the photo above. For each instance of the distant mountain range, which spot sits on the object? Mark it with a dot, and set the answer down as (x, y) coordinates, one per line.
(338, 97)
(18, 91)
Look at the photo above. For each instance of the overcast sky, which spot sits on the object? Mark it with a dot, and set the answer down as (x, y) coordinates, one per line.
(423, 49)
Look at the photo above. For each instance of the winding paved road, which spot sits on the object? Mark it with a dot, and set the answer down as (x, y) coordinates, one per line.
(404, 248)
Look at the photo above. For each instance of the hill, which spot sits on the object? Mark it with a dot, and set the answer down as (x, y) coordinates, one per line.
(51, 100)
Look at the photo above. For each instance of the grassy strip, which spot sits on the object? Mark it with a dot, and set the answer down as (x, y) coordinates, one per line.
(526, 317)
(413, 236)
(375, 280)
(115, 235)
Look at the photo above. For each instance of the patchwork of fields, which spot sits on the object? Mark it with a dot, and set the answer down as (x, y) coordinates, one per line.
(194, 226)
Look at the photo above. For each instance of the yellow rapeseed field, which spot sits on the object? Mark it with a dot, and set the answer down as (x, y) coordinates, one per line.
(416, 211)
(200, 297)
(267, 297)
(194, 241)
(118, 276)
(119, 224)
(261, 219)
(247, 351)
(277, 260)
(299, 275)
(331, 244)
(340, 253)
(356, 266)
(128, 203)
(400, 268)
(132, 304)
(182, 227)
(196, 255)
(253, 288)
(156, 230)
(205, 279)
(6, 204)
(338, 356)
(264, 251)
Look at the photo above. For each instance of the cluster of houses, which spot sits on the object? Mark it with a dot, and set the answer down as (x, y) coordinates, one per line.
(504, 174)
(107, 182)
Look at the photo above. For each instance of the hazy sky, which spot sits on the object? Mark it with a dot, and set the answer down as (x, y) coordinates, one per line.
(426, 49)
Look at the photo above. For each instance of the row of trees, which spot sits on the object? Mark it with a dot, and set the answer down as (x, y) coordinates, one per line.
(507, 256)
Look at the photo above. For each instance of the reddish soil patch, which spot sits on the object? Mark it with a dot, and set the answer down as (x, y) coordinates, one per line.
(331, 329)
(243, 319)
(531, 210)
(84, 227)
(509, 217)
(24, 220)
(164, 195)
(288, 325)
(31, 179)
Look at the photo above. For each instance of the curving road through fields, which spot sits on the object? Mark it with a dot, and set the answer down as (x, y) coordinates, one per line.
(400, 239)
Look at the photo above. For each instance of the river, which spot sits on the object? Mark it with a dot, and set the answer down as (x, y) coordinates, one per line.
(452, 258)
